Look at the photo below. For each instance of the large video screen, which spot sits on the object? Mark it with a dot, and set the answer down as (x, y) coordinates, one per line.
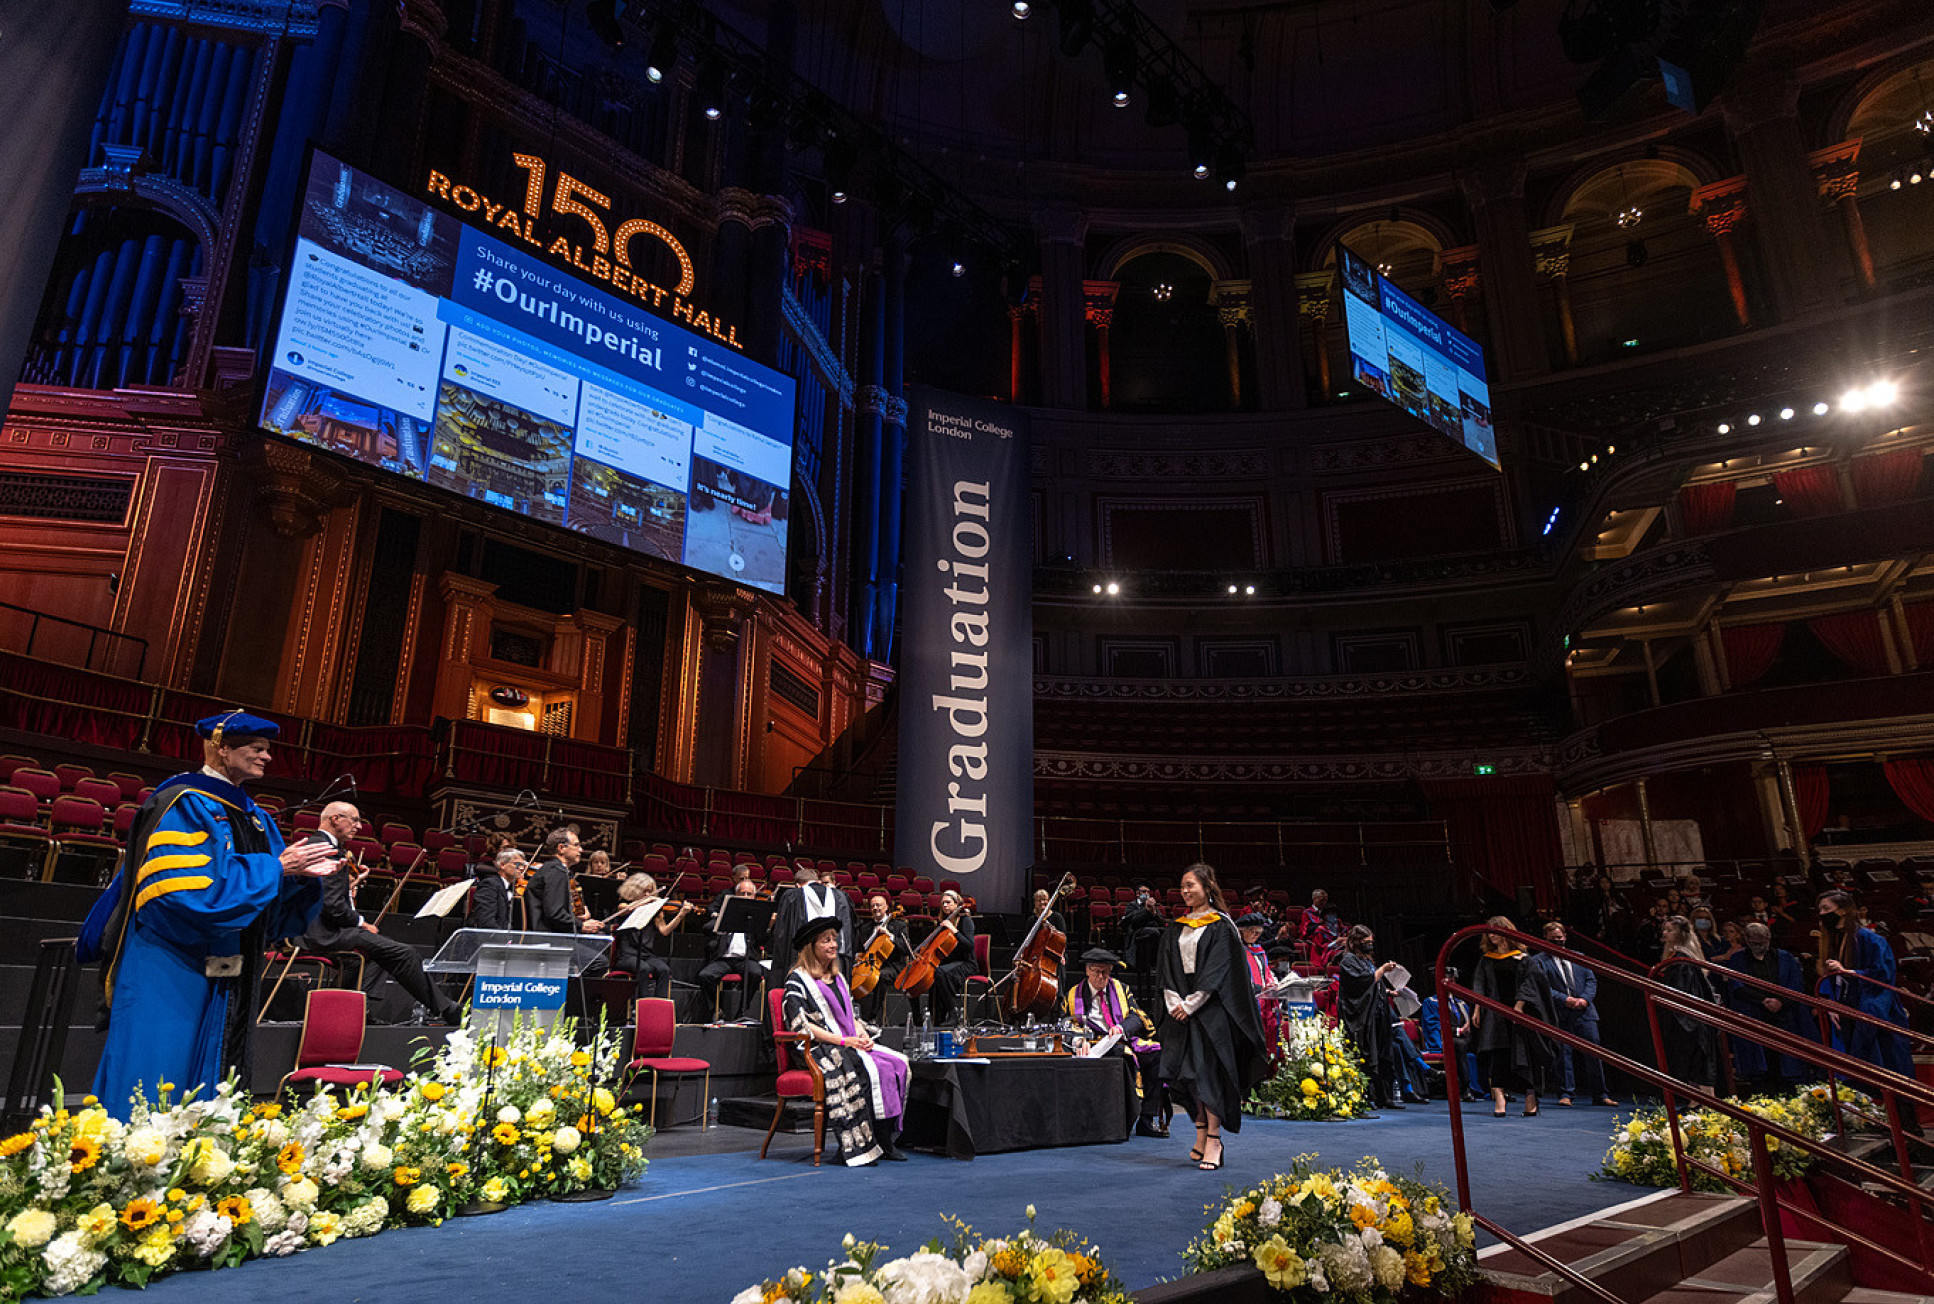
(1410, 356)
(414, 342)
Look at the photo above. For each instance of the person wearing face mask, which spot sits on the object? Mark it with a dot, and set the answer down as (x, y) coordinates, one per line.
(1850, 953)
(1760, 959)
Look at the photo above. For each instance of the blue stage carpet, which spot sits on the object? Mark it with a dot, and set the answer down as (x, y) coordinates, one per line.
(700, 1227)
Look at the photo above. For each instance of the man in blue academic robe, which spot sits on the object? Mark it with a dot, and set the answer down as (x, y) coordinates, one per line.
(1757, 1064)
(206, 882)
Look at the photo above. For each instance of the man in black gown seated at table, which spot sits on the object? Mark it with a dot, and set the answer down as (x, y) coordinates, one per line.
(1101, 1005)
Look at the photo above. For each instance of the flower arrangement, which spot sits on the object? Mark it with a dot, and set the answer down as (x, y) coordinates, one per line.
(1362, 1234)
(87, 1200)
(1641, 1150)
(1025, 1268)
(1318, 1077)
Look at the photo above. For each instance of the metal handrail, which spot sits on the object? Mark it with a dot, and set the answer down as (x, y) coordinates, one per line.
(1892, 1085)
(1823, 1006)
(93, 634)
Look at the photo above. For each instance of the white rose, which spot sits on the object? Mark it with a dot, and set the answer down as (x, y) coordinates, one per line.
(1269, 1212)
(378, 1157)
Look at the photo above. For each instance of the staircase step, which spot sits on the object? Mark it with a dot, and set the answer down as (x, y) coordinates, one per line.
(1862, 1295)
(1819, 1271)
(1636, 1251)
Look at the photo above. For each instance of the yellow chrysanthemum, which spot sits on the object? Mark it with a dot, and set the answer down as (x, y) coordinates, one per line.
(289, 1158)
(1363, 1216)
(1010, 1262)
(579, 1058)
(496, 1057)
(431, 1091)
(14, 1144)
(1051, 1278)
(350, 1113)
(140, 1214)
(236, 1209)
(1416, 1268)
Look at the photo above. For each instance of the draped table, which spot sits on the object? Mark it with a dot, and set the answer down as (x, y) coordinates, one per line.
(967, 1107)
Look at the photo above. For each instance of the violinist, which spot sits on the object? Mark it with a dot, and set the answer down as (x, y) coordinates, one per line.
(339, 926)
(495, 902)
(1102, 1005)
(951, 979)
(731, 953)
(883, 919)
(548, 901)
(635, 950)
(493, 844)
(811, 899)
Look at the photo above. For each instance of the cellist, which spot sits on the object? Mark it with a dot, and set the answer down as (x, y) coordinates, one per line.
(951, 978)
(884, 921)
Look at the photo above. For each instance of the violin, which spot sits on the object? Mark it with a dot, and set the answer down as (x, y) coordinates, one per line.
(917, 978)
(1035, 981)
(866, 969)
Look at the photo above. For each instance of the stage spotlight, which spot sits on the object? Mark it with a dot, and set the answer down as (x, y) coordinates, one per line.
(1610, 449)
(1097, 588)
(960, 268)
(1882, 393)
(1725, 429)
(1895, 183)
(1914, 177)
(1113, 588)
(1853, 400)
(1118, 62)
(1249, 589)
(664, 52)
(1022, 10)
(1753, 420)
(1232, 588)
(1820, 409)
(1230, 166)
(711, 89)
(1786, 414)
(1584, 466)
(602, 15)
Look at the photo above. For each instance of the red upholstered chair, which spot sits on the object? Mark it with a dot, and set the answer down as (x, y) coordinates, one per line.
(452, 863)
(8, 764)
(980, 983)
(22, 834)
(307, 821)
(69, 775)
(437, 839)
(124, 818)
(83, 851)
(101, 790)
(911, 901)
(392, 833)
(652, 1051)
(799, 1077)
(45, 785)
(332, 1036)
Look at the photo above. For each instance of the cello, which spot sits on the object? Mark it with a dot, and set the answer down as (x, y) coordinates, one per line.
(917, 978)
(1035, 981)
(866, 969)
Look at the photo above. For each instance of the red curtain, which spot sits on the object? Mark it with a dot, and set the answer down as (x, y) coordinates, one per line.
(1883, 478)
(1810, 790)
(1706, 508)
(1854, 637)
(1505, 829)
(1750, 650)
(1920, 628)
(1810, 490)
(1912, 779)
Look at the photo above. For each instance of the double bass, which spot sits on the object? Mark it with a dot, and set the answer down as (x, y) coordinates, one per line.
(1035, 982)
(917, 978)
(866, 969)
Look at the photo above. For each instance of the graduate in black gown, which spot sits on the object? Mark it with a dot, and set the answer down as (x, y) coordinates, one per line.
(1691, 1046)
(1364, 1008)
(1513, 1056)
(1213, 1051)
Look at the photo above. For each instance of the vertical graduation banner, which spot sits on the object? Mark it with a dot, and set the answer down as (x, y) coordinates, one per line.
(966, 765)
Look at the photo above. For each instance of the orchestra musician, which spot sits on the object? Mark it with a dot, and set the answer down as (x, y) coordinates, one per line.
(338, 926)
(1100, 1003)
(729, 953)
(496, 902)
(950, 980)
(635, 950)
(549, 903)
(1055, 917)
(1142, 923)
(880, 918)
(493, 844)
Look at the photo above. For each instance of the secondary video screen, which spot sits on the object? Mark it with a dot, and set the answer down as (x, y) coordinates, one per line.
(1404, 353)
(414, 342)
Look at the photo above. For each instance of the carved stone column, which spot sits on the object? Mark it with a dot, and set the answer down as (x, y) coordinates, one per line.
(1836, 170)
(1098, 305)
(1763, 117)
(1313, 293)
(1017, 314)
(1495, 191)
(467, 608)
(1063, 234)
(1723, 206)
(1461, 282)
(1551, 248)
(1275, 322)
(1232, 310)
(721, 700)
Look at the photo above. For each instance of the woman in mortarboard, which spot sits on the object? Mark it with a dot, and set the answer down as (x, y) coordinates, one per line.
(205, 884)
(866, 1083)
(1213, 1051)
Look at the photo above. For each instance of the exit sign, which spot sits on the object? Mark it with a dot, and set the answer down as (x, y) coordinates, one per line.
(1483, 767)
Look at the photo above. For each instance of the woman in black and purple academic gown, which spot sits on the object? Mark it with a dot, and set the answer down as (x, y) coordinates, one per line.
(1213, 1052)
(866, 1083)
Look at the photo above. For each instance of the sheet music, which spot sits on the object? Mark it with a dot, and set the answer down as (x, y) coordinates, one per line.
(643, 915)
(443, 900)
(1398, 976)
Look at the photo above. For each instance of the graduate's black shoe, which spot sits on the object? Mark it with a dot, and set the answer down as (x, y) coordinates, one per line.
(1148, 1127)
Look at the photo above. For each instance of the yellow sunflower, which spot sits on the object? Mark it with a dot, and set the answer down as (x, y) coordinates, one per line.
(506, 1134)
(140, 1214)
(289, 1159)
(14, 1144)
(86, 1152)
(236, 1209)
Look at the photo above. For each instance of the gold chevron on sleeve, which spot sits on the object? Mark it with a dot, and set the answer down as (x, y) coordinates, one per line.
(168, 885)
(162, 864)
